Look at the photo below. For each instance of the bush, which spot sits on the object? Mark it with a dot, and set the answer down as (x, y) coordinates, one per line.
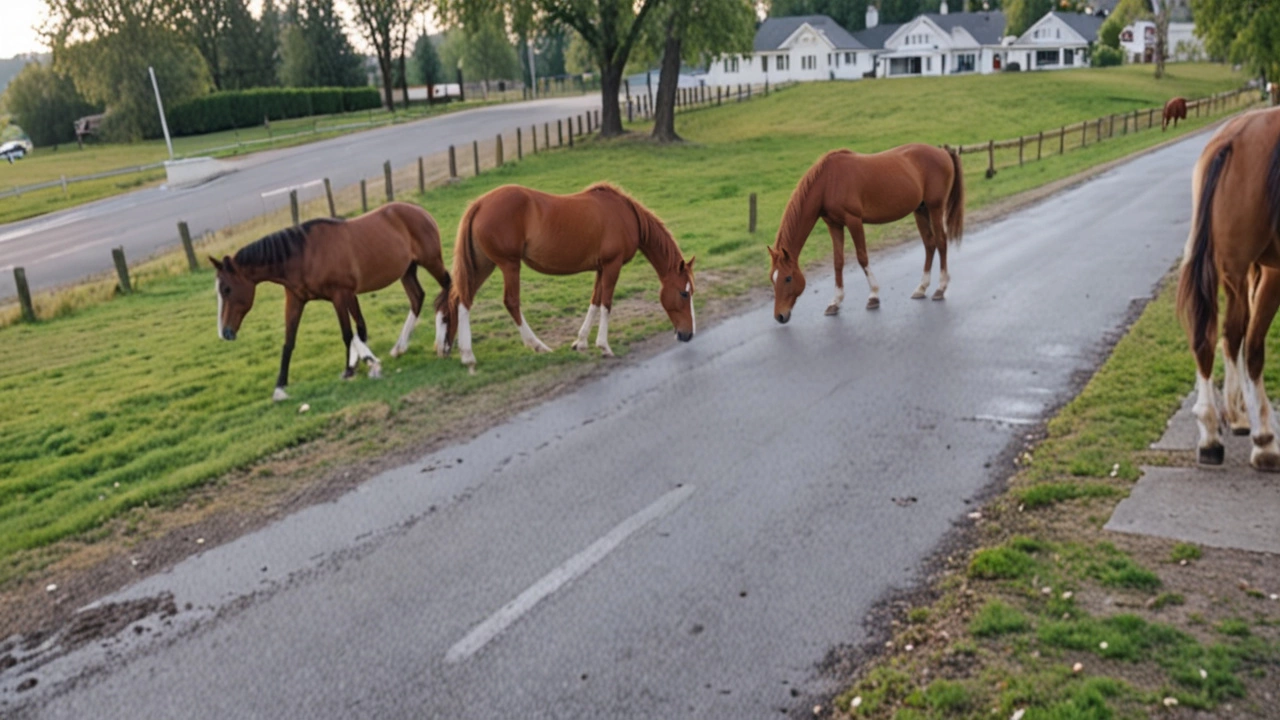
(45, 104)
(1104, 56)
(246, 108)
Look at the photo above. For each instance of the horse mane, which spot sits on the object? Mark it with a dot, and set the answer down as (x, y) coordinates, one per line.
(274, 250)
(792, 223)
(656, 241)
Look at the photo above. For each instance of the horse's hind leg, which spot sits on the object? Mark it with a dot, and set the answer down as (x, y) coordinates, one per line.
(939, 234)
(1266, 452)
(416, 294)
(593, 309)
(859, 237)
(837, 248)
(511, 298)
(926, 235)
(359, 350)
(1234, 410)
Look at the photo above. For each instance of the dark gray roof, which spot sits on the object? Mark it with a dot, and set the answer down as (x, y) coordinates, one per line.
(985, 27)
(874, 37)
(775, 31)
(1086, 25)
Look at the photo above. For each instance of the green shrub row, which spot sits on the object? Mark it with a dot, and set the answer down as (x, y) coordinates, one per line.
(246, 108)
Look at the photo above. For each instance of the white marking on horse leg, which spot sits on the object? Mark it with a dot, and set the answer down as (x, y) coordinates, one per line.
(602, 337)
(1234, 408)
(442, 331)
(1206, 412)
(217, 290)
(1266, 451)
(464, 336)
(279, 395)
(837, 298)
(402, 345)
(530, 340)
(360, 351)
(585, 331)
(944, 279)
(924, 285)
(572, 569)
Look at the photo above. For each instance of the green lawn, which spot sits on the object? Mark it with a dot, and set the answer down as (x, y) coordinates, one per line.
(135, 400)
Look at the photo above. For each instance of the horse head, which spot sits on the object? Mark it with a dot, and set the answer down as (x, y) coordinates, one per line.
(788, 282)
(235, 297)
(676, 297)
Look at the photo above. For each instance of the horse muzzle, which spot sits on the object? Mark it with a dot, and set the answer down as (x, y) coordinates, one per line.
(684, 336)
(228, 334)
(783, 317)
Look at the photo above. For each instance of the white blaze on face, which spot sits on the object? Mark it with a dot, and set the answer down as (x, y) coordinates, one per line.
(693, 314)
(217, 290)
(775, 277)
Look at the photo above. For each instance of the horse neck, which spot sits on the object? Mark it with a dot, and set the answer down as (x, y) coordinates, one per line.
(258, 274)
(657, 245)
(800, 216)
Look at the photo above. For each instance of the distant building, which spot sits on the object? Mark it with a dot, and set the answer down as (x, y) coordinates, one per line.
(942, 43)
(1055, 42)
(799, 48)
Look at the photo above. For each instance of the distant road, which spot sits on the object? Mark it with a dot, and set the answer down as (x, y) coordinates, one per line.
(63, 247)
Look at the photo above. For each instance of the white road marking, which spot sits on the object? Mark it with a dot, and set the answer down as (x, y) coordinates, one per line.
(1006, 420)
(571, 570)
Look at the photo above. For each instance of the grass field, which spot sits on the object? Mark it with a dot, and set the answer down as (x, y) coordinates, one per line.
(135, 400)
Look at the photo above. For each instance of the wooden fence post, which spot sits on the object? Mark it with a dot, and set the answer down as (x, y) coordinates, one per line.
(1022, 141)
(328, 193)
(453, 163)
(546, 136)
(570, 124)
(498, 151)
(293, 206)
(386, 175)
(559, 133)
(1084, 133)
(597, 119)
(24, 295)
(1111, 129)
(751, 221)
(1062, 141)
(991, 159)
(1151, 115)
(579, 126)
(533, 137)
(122, 269)
(422, 175)
(475, 154)
(185, 234)
(1040, 145)
(717, 96)
(630, 115)
(364, 196)
(1124, 129)
(519, 144)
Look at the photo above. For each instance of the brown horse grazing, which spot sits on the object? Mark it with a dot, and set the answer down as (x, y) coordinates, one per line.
(597, 230)
(1235, 242)
(847, 190)
(335, 260)
(1175, 110)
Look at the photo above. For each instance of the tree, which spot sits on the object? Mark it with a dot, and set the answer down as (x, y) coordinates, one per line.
(610, 27)
(1162, 35)
(45, 104)
(385, 24)
(248, 48)
(314, 49)
(205, 23)
(426, 67)
(490, 54)
(1241, 31)
(1022, 14)
(850, 14)
(689, 30)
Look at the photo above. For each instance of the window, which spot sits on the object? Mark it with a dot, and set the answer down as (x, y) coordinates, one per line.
(783, 62)
(928, 64)
(966, 63)
(828, 59)
(904, 66)
(809, 62)
(764, 63)
(1068, 57)
(1046, 58)
(1059, 31)
(850, 58)
(731, 65)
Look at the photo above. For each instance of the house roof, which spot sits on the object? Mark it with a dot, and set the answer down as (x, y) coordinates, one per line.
(773, 32)
(874, 38)
(985, 27)
(1086, 25)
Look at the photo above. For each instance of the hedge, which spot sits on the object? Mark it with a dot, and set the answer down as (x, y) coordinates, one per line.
(246, 108)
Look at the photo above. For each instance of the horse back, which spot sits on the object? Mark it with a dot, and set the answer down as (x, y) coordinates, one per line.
(889, 185)
(371, 251)
(1246, 206)
(554, 234)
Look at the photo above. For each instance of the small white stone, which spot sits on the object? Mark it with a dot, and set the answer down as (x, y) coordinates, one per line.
(304, 407)
(50, 587)
(1203, 675)
(855, 702)
(1046, 590)
(133, 562)
(1182, 562)
(1066, 595)
(1275, 596)
(1017, 715)
(975, 515)
(817, 709)
(1103, 644)
(116, 485)
(1077, 667)
(199, 541)
(909, 647)
(1171, 702)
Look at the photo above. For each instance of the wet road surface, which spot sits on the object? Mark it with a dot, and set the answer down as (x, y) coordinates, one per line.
(63, 247)
(688, 537)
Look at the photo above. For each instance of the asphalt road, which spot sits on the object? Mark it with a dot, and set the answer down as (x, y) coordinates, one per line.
(63, 247)
(691, 536)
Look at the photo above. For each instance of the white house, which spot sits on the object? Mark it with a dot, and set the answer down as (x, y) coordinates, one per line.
(1138, 41)
(1056, 41)
(799, 48)
(940, 43)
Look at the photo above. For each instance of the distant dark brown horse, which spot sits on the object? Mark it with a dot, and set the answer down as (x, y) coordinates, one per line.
(335, 260)
(1235, 243)
(1174, 110)
(848, 190)
(597, 230)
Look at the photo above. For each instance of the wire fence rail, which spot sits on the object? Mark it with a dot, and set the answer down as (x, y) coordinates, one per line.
(317, 197)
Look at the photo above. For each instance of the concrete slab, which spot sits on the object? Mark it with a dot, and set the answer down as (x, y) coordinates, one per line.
(194, 171)
(1231, 508)
(1181, 433)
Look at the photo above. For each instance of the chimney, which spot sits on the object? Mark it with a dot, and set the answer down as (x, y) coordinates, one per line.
(943, 8)
(873, 16)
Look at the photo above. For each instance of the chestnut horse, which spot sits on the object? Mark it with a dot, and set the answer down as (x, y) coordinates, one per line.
(848, 190)
(335, 260)
(1235, 243)
(597, 230)
(1174, 110)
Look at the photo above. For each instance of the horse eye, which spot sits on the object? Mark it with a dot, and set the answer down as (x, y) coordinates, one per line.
(788, 278)
(226, 292)
(684, 294)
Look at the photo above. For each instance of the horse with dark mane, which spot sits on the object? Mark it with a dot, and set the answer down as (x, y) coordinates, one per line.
(597, 230)
(1174, 110)
(336, 260)
(1235, 244)
(847, 190)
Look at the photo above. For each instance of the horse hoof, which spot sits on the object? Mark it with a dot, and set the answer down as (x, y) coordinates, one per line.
(1240, 431)
(579, 346)
(832, 310)
(397, 351)
(542, 348)
(918, 295)
(1212, 455)
(471, 369)
(873, 303)
(606, 353)
(938, 295)
(348, 374)
(375, 371)
(279, 395)
(1265, 461)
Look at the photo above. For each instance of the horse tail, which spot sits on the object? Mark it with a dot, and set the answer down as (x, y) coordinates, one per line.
(1198, 283)
(955, 202)
(1273, 189)
(464, 269)
(442, 299)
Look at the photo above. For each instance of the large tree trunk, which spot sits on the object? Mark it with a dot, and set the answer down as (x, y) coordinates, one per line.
(404, 79)
(664, 109)
(388, 90)
(1162, 35)
(610, 85)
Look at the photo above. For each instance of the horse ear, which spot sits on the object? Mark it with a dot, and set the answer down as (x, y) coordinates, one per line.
(214, 261)
(227, 264)
(772, 253)
(690, 263)
(784, 254)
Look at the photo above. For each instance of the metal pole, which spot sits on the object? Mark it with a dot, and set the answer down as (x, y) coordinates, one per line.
(160, 105)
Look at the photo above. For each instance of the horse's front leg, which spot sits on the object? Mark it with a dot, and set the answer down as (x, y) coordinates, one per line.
(593, 310)
(511, 298)
(344, 322)
(837, 259)
(926, 235)
(860, 248)
(1266, 451)
(359, 348)
(416, 294)
(292, 316)
(608, 281)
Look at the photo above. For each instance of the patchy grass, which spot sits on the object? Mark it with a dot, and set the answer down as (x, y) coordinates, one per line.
(142, 402)
(1052, 616)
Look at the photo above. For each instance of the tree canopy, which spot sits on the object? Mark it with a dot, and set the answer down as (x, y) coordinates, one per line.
(1241, 31)
(45, 104)
(314, 48)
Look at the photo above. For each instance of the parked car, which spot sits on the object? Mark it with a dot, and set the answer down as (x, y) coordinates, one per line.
(14, 150)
